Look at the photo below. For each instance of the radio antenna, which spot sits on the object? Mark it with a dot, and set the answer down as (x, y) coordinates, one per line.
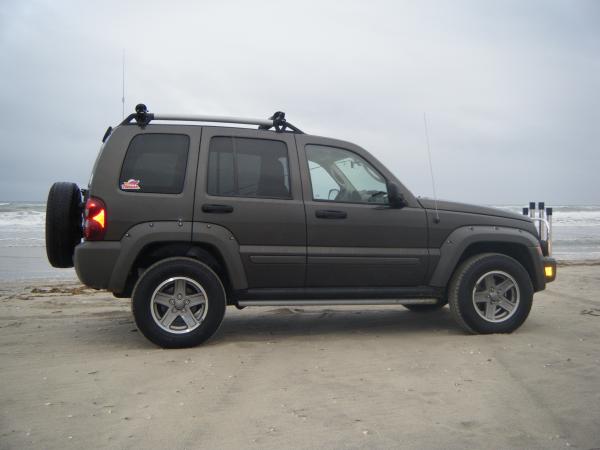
(437, 214)
(123, 86)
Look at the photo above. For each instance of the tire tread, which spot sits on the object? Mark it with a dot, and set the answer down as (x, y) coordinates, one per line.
(462, 309)
(62, 232)
(195, 337)
(453, 294)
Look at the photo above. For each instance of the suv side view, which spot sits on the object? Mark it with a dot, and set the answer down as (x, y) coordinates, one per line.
(187, 219)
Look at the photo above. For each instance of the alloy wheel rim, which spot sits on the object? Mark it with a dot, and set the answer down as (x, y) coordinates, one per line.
(496, 296)
(179, 305)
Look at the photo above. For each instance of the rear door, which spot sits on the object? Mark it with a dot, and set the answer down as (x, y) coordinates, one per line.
(249, 183)
(354, 237)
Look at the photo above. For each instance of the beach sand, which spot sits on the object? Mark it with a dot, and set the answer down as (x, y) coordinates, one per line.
(75, 373)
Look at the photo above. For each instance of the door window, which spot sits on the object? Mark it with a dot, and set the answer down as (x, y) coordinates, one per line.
(342, 176)
(246, 167)
(155, 163)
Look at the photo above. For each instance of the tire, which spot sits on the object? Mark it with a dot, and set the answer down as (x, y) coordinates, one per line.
(490, 293)
(178, 302)
(63, 223)
(427, 308)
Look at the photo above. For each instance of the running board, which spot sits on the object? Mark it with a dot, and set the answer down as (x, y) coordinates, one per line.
(336, 302)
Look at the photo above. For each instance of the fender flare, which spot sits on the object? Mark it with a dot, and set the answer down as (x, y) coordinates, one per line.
(460, 239)
(143, 234)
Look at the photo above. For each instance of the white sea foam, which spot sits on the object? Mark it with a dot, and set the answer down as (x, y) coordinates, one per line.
(22, 242)
(28, 218)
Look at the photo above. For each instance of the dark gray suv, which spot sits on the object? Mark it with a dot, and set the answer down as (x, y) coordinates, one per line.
(187, 219)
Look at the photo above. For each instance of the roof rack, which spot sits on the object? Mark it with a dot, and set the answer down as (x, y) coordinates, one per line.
(277, 121)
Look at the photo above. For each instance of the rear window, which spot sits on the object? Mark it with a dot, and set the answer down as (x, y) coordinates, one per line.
(155, 163)
(247, 167)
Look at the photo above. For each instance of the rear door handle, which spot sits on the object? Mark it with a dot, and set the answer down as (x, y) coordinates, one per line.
(330, 214)
(218, 209)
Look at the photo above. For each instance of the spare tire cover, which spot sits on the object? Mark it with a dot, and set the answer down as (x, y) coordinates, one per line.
(63, 223)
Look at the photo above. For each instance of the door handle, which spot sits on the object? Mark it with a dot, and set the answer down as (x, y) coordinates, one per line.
(218, 209)
(330, 214)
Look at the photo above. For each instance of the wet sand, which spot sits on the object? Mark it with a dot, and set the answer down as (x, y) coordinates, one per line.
(75, 373)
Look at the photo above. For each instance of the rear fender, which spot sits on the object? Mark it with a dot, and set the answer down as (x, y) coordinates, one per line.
(142, 235)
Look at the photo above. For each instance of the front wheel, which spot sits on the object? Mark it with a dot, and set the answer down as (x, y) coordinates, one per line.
(490, 293)
(178, 302)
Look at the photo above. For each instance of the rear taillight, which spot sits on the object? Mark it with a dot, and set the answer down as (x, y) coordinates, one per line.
(95, 220)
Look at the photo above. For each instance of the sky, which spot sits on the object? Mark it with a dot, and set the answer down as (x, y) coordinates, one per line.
(510, 89)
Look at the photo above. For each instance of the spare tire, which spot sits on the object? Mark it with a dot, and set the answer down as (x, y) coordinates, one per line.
(63, 223)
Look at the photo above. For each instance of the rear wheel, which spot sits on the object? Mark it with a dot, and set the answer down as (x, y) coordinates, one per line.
(490, 293)
(63, 223)
(178, 302)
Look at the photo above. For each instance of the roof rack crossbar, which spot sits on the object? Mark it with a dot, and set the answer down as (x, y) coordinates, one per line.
(277, 121)
(222, 119)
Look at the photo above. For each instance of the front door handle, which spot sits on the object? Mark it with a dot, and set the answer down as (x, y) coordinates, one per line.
(330, 214)
(218, 209)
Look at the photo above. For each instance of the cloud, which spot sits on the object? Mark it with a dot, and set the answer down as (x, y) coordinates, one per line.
(510, 88)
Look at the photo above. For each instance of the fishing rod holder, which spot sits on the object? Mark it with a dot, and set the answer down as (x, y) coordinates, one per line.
(541, 216)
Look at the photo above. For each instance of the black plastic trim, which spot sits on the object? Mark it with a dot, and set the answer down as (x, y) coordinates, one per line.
(339, 293)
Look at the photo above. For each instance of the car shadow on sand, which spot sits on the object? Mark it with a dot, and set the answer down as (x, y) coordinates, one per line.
(262, 324)
(285, 323)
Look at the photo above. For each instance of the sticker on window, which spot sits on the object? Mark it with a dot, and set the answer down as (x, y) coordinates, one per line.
(131, 185)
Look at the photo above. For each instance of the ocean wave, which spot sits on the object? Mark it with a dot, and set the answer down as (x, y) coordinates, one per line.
(570, 243)
(555, 208)
(15, 242)
(15, 206)
(581, 216)
(23, 218)
(576, 228)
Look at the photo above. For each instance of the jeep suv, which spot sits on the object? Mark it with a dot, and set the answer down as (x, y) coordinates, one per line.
(187, 219)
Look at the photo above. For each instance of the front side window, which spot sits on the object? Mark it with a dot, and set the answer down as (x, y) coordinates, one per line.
(342, 176)
(155, 163)
(246, 167)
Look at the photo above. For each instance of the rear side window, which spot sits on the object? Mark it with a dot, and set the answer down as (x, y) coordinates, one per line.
(243, 167)
(155, 163)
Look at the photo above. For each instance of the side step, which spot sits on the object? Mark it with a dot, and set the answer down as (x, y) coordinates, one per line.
(335, 302)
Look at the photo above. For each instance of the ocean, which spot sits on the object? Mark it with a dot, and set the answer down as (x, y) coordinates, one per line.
(23, 255)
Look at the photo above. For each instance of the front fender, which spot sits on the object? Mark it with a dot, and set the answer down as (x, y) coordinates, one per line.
(460, 239)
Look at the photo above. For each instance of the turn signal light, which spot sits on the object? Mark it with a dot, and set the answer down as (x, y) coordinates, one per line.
(95, 220)
(549, 271)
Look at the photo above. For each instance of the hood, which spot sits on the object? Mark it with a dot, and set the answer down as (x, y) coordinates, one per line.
(444, 205)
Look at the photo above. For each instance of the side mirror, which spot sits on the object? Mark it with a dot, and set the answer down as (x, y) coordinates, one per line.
(395, 196)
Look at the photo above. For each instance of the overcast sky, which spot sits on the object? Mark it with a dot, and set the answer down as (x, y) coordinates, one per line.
(511, 89)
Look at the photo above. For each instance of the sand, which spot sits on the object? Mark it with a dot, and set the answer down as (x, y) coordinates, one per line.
(75, 373)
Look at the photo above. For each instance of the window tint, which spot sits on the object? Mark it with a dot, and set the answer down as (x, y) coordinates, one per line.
(242, 167)
(343, 176)
(155, 163)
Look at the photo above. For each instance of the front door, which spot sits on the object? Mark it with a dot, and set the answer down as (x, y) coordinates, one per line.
(354, 238)
(249, 183)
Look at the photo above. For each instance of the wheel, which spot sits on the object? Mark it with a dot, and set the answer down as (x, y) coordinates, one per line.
(490, 293)
(427, 308)
(63, 223)
(178, 302)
